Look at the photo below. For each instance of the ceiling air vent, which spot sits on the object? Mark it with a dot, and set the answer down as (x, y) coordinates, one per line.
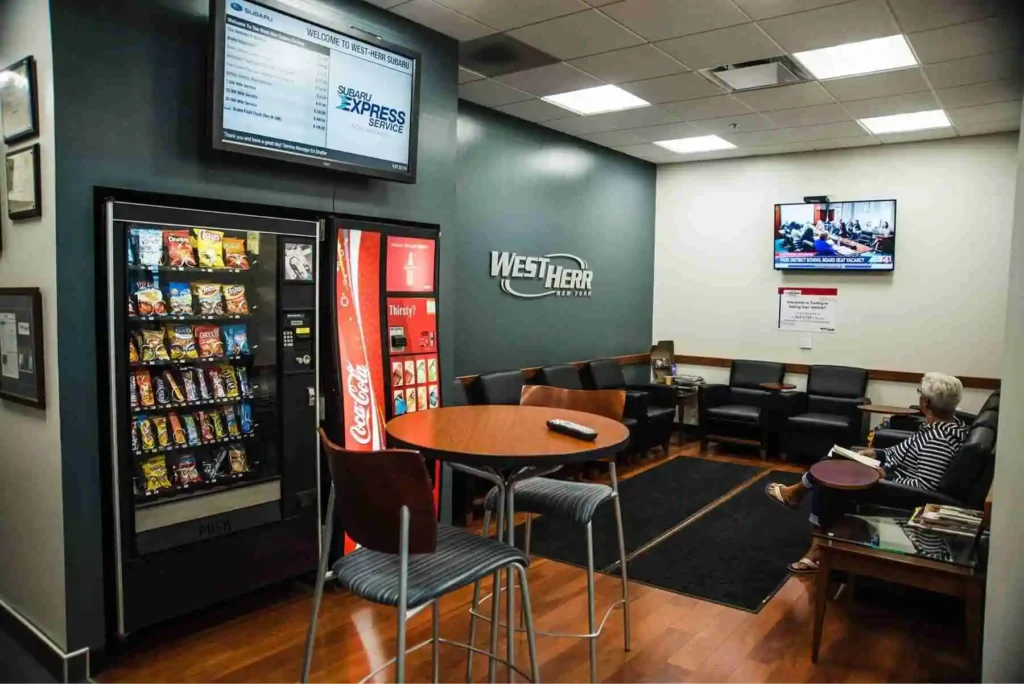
(762, 73)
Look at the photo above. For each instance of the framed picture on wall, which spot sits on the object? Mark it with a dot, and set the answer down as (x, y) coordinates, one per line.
(18, 101)
(22, 179)
(22, 375)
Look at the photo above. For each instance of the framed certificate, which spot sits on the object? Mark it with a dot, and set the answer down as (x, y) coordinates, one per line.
(22, 376)
(22, 173)
(19, 108)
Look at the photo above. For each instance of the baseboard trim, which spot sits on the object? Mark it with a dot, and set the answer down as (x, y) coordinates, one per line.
(64, 667)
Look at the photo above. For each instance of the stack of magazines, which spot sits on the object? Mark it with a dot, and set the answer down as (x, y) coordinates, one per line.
(947, 519)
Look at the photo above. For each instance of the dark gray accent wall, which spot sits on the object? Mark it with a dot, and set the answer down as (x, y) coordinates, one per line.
(130, 89)
(534, 191)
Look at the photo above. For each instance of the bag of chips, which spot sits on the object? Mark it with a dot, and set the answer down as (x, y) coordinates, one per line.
(133, 350)
(150, 243)
(146, 432)
(186, 472)
(216, 383)
(214, 467)
(163, 437)
(136, 445)
(231, 419)
(205, 426)
(204, 387)
(142, 379)
(133, 392)
(155, 471)
(182, 342)
(188, 381)
(150, 299)
(210, 244)
(192, 430)
(131, 306)
(179, 248)
(177, 430)
(210, 345)
(236, 457)
(152, 347)
(234, 299)
(236, 340)
(234, 253)
(246, 418)
(163, 396)
(180, 297)
(177, 395)
(211, 300)
(227, 374)
(218, 425)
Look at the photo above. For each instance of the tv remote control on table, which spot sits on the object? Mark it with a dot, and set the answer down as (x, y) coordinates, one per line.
(567, 427)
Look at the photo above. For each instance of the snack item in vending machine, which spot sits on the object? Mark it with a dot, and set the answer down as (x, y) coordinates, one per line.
(210, 298)
(244, 389)
(192, 430)
(133, 245)
(215, 467)
(146, 432)
(150, 245)
(410, 399)
(432, 369)
(234, 299)
(231, 420)
(186, 472)
(136, 445)
(150, 299)
(163, 437)
(131, 306)
(396, 373)
(234, 253)
(173, 386)
(204, 387)
(163, 396)
(236, 457)
(179, 248)
(178, 433)
(188, 381)
(421, 398)
(432, 396)
(182, 342)
(216, 383)
(227, 374)
(155, 471)
(236, 340)
(210, 345)
(421, 370)
(133, 350)
(399, 402)
(205, 426)
(218, 424)
(410, 372)
(246, 419)
(152, 345)
(180, 297)
(210, 245)
(142, 379)
(133, 392)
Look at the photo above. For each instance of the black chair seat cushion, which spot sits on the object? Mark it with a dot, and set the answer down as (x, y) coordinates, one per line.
(461, 558)
(629, 422)
(576, 501)
(820, 421)
(656, 413)
(741, 413)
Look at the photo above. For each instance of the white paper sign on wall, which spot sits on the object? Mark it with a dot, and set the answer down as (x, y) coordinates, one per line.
(808, 309)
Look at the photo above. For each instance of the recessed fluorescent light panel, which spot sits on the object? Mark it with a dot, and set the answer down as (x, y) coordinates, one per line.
(899, 123)
(704, 143)
(598, 100)
(865, 57)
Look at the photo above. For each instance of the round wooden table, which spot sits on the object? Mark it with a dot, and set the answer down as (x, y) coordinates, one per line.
(841, 473)
(889, 410)
(777, 386)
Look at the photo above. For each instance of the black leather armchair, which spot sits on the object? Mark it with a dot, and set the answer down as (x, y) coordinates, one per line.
(826, 414)
(901, 427)
(565, 376)
(740, 411)
(652, 406)
(504, 387)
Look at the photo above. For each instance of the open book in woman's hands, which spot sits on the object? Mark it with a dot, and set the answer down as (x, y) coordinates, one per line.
(854, 456)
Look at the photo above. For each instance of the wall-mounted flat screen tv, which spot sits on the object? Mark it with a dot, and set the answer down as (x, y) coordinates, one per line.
(286, 87)
(836, 236)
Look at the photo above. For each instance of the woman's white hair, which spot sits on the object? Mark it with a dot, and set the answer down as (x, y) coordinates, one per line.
(942, 391)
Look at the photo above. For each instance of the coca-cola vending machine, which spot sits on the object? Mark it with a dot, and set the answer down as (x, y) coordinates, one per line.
(383, 283)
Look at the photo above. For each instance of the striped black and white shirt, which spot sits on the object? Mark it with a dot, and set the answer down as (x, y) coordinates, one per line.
(922, 459)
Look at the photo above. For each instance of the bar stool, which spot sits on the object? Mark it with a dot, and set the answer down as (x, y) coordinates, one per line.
(406, 559)
(575, 501)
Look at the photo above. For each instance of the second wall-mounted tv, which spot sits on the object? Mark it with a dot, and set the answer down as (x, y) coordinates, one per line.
(287, 87)
(836, 236)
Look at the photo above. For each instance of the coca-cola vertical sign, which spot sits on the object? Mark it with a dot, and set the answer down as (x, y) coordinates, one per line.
(359, 339)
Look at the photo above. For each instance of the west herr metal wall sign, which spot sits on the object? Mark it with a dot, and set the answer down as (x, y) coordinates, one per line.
(534, 277)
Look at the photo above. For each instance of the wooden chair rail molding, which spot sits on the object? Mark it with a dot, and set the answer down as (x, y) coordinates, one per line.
(797, 368)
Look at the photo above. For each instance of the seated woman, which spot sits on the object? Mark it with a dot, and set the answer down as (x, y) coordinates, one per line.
(919, 461)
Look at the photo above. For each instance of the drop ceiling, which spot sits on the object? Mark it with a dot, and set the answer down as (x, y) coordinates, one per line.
(971, 55)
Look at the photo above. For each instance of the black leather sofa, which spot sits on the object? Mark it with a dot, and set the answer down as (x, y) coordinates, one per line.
(565, 376)
(504, 387)
(740, 411)
(826, 414)
(652, 406)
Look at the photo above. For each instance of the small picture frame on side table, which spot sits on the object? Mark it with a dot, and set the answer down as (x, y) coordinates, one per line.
(21, 171)
(22, 372)
(18, 101)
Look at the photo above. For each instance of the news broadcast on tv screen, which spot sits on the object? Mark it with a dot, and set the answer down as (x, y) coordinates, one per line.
(855, 236)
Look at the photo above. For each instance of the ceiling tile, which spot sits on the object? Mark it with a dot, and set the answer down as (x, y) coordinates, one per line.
(760, 138)
(765, 9)
(990, 67)
(921, 15)
(785, 97)
(999, 111)
(513, 14)
(896, 82)
(896, 104)
(966, 40)
(839, 143)
(981, 93)
(613, 138)
(672, 88)
(660, 19)
(579, 125)
(914, 136)
(666, 132)
(843, 129)
(784, 148)
(707, 108)
(442, 19)
(733, 124)
(491, 93)
(631, 64)
(710, 156)
(732, 45)
(808, 116)
(465, 76)
(832, 25)
(550, 80)
(989, 127)
(576, 35)
(536, 110)
(647, 151)
(635, 118)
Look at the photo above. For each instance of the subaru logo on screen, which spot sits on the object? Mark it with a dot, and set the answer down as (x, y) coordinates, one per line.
(379, 116)
(236, 6)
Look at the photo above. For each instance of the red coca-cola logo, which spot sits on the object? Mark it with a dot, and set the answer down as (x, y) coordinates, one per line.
(357, 380)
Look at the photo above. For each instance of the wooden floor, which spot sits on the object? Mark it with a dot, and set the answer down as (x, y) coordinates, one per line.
(675, 638)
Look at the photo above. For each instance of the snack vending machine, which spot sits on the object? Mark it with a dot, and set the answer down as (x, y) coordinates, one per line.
(383, 286)
(212, 329)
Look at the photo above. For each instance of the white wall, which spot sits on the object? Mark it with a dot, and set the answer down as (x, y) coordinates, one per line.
(943, 309)
(31, 505)
(1004, 604)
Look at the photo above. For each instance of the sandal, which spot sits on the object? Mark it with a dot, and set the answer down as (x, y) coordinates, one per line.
(773, 491)
(804, 566)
